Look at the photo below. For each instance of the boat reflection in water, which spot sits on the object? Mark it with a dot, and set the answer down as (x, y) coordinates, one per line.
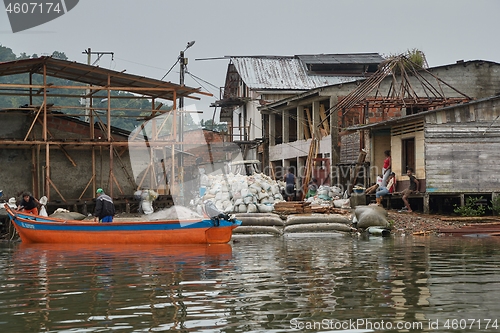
(62, 286)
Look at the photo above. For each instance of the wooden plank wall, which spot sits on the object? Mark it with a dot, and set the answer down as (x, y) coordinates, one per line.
(462, 148)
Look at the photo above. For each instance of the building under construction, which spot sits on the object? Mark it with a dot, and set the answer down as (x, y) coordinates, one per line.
(60, 138)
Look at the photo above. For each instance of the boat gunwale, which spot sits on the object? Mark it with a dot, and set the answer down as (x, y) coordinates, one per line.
(37, 219)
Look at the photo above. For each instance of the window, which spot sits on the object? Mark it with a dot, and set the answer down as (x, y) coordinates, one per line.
(408, 154)
(415, 110)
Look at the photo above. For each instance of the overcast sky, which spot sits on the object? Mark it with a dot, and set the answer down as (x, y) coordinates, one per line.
(146, 36)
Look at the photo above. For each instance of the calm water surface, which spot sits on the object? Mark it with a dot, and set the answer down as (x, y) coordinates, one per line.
(306, 283)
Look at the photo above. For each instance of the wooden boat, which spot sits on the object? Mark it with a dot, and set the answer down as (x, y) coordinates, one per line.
(42, 229)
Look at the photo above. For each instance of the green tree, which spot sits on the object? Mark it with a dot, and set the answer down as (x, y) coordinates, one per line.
(59, 55)
(6, 54)
(213, 126)
(23, 55)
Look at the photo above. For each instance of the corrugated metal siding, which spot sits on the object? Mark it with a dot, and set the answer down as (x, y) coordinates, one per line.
(282, 73)
(357, 58)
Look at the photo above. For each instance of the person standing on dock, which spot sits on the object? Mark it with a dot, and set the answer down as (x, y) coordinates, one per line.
(104, 207)
(412, 188)
(386, 168)
(289, 180)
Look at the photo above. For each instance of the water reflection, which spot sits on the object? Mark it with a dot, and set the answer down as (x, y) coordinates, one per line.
(257, 284)
(59, 287)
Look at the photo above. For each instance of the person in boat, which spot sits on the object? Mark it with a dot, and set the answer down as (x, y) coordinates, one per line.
(104, 207)
(28, 204)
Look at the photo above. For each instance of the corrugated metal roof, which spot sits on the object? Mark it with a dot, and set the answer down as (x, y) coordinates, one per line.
(271, 72)
(88, 74)
(354, 58)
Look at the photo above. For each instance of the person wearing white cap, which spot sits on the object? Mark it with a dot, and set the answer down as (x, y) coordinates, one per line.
(104, 207)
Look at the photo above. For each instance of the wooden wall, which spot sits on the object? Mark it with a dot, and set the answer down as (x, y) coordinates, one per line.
(462, 148)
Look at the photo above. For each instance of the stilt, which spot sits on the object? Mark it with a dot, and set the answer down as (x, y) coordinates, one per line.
(426, 203)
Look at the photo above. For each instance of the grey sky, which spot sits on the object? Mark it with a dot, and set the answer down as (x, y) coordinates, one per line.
(146, 36)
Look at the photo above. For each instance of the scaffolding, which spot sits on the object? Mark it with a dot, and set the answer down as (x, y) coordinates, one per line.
(101, 138)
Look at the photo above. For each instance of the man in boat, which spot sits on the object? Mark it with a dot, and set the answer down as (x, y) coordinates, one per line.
(104, 207)
(29, 204)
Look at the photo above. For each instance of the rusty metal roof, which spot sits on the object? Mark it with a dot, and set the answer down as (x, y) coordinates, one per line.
(281, 72)
(98, 76)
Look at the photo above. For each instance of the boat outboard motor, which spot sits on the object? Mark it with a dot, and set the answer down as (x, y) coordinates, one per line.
(214, 213)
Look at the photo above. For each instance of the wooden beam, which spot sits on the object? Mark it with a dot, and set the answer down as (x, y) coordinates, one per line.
(323, 119)
(34, 121)
(55, 188)
(309, 121)
(307, 130)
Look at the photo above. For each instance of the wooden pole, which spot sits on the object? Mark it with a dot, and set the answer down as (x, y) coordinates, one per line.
(47, 171)
(357, 167)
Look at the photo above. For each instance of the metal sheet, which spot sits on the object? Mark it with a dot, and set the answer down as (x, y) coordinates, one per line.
(282, 73)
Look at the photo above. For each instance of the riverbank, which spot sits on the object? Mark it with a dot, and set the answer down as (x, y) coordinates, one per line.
(402, 223)
(419, 224)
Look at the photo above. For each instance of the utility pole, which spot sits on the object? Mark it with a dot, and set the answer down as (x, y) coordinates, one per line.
(90, 119)
(183, 61)
(89, 53)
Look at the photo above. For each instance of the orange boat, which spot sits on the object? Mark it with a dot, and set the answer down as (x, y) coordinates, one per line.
(41, 229)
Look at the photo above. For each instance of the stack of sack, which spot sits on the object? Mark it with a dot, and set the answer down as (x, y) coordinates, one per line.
(236, 193)
(326, 195)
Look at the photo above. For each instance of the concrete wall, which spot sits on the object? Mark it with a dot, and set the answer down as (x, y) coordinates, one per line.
(22, 167)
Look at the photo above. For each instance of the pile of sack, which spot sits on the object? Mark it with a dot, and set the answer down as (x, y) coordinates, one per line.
(236, 193)
(328, 195)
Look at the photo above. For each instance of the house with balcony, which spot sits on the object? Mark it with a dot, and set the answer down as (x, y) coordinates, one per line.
(253, 82)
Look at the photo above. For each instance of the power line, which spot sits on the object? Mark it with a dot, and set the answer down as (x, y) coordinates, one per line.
(138, 63)
(170, 69)
(194, 76)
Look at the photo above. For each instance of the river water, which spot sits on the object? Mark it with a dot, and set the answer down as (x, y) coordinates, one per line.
(303, 283)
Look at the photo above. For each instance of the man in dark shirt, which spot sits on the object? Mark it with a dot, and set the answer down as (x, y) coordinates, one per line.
(413, 188)
(29, 204)
(104, 207)
(289, 180)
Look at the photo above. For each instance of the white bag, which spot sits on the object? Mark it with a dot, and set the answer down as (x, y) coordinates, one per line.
(43, 211)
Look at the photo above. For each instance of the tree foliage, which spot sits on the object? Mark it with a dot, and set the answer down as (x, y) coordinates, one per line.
(412, 59)
(213, 126)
